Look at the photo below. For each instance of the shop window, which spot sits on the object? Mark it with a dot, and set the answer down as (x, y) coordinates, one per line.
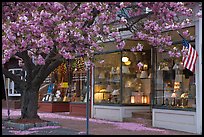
(136, 81)
(107, 78)
(174, 84)
(117, 79)
(57, 85)
(70, 80)
(78, 81)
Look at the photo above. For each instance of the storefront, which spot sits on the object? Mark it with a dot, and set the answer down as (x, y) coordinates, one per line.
(120, 86)
(176, 91)
(53, 92)
(69, 92)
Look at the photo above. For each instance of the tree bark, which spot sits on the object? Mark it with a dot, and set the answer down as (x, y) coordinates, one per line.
(29, 103)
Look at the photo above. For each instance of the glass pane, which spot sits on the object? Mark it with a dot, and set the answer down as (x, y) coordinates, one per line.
(107, 78)
(174, 84)
(136, 81)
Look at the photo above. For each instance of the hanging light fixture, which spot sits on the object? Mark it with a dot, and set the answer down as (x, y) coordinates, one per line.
(127, 63)
(125, 59)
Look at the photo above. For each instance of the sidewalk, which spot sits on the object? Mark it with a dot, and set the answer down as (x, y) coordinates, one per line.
(77, 125)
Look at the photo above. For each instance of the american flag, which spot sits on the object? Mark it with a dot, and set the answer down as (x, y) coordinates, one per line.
(189, 60)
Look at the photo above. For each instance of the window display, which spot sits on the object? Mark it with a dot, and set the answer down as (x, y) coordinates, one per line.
(174, 85)
(136, 84)
(58, 85)
(78, 79)
(107, 78)
(117, 79)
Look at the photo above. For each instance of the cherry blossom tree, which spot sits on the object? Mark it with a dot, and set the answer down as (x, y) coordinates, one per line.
(43, 34)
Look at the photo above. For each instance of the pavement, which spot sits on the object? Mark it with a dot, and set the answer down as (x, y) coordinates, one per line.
(73, 125)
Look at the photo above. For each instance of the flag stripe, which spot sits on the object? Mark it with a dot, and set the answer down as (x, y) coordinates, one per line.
(189, 60)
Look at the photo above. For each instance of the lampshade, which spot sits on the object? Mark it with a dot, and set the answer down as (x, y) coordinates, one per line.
(115, 92)
(178, 66)
(109, 88)
(150, 75)
(145, 67)
(175, 66)
(102, 75)
(165, 68)
(144, 74)
(117, 70)
(125, 69)
(125, 59)
(103, 90)
(173, 95)
(128, 63)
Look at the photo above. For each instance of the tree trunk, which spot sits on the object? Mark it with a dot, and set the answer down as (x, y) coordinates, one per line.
(29, 103)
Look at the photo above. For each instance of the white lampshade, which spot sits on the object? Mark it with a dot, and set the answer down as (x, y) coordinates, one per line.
(150, 75)
(165, 68)
(144, 74)
(175, 66)
(125, 59)
(115, 92)
(125, 69)
(173, 95)
(178, 66)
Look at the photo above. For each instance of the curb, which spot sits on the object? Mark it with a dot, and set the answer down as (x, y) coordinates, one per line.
(26, 126)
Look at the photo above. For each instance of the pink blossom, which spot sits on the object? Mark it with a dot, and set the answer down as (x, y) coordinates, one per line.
(140, 64)
(121, 45)
(186, 33)
(16, 132)
(139, 47)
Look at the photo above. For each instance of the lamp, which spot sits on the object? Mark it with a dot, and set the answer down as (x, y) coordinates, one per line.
(109, 88)
(125, 69)
(144, 99)
(144, 74)
(115, 92)
(129, 83)
(145, 67)
(125, 59)
(128, 63)
(150, 75)
(176, 86)
(132, 99)
(165, 68)
(178, 66)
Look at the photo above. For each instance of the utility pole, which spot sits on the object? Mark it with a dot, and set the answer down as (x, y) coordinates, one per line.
(7, 104)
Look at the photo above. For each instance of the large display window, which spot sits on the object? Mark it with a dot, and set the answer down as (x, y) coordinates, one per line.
(174, 85)
(119, 80)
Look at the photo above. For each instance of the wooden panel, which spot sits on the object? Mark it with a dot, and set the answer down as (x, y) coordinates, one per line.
(79, 110)
(53, 107)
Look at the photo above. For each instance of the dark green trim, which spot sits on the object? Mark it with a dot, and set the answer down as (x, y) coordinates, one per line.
(174, 108)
